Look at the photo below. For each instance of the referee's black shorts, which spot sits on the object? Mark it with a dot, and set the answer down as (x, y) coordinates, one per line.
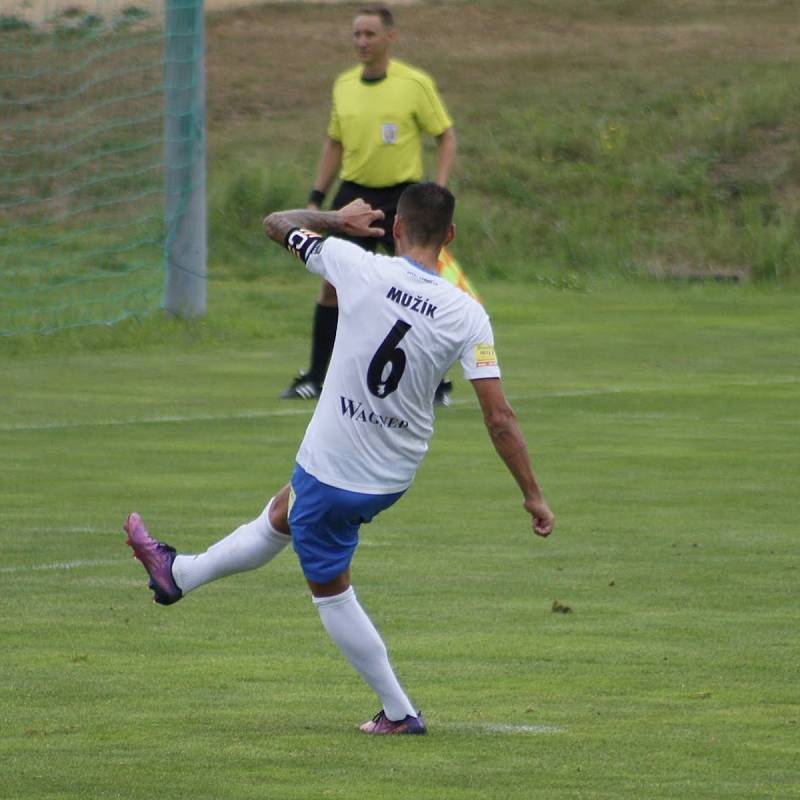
(385, 198)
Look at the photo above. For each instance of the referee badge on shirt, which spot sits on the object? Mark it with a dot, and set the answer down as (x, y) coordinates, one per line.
(389, 133)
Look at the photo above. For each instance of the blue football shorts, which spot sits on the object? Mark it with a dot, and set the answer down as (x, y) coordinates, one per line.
(324, 522)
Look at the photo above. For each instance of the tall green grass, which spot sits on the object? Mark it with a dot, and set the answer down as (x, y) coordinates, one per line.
(239, 198)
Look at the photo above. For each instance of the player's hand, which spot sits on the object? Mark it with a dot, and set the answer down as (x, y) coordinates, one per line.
(356, 218)
(542, 519)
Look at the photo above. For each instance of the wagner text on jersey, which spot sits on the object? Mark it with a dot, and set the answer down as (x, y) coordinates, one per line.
(358, 412)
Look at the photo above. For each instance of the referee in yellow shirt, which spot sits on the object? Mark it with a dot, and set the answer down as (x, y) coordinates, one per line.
(380, 111)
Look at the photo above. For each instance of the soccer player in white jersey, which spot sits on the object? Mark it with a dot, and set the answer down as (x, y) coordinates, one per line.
(400, 328)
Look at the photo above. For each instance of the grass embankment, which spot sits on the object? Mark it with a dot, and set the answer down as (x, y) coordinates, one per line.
(635, 138)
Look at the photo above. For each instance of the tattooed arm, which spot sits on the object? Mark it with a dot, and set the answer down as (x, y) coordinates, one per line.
(355, 219)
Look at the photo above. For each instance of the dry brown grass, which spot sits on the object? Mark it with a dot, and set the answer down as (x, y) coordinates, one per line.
(282, 58)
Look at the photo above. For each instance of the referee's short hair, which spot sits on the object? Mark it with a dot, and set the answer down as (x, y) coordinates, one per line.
(378, 10)
(427, 213)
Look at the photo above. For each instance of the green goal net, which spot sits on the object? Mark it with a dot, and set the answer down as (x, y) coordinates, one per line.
(97, 130)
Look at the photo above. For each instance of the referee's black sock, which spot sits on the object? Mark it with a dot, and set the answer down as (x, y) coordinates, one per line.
(323, 336)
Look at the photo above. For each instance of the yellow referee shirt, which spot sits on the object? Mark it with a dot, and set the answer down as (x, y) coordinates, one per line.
(380, 124)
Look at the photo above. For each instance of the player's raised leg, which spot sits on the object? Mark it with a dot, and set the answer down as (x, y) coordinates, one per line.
(250, 546)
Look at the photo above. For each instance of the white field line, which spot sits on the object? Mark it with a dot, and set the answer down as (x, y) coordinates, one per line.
(57, 529)
(47, 425)
(62, 565)
(502, 727)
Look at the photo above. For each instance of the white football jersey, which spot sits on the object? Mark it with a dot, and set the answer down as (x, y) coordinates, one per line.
(400, 328)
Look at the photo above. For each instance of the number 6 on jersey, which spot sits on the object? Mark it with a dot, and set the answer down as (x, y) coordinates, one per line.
(380, 382)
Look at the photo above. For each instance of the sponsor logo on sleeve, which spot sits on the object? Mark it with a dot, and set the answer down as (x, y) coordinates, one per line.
(303, 243)
(485, 355)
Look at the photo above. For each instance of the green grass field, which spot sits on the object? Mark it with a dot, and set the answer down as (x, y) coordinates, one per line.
(609, 153)
(663, 424)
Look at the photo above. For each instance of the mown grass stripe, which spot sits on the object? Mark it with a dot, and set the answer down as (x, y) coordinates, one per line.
(455, 404)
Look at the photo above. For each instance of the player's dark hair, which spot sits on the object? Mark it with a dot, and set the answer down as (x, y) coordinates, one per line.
(378, 10)
(427, 213)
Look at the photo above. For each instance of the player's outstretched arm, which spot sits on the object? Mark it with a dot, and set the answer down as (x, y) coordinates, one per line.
(354, 219)
(507, 438)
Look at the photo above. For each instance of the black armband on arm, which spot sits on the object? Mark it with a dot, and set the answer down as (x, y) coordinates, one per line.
(316, 197)
(303, 243)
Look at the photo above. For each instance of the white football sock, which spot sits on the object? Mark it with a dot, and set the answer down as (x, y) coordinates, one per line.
(248, 547)
(349, 626)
